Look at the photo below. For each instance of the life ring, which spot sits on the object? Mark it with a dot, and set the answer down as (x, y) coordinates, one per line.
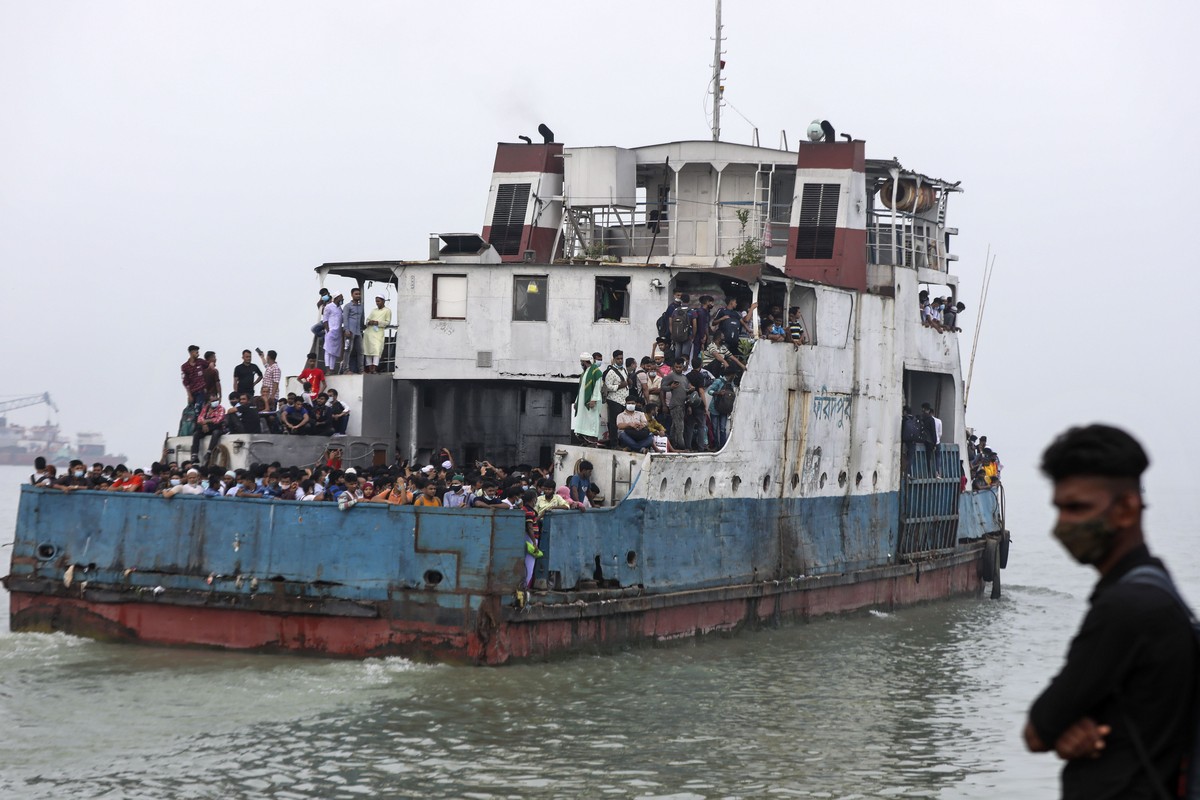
(987, 565)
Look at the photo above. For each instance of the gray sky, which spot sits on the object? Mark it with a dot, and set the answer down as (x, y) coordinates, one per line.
(171, 172)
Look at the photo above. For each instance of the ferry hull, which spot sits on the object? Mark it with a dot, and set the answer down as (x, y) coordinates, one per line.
(495, 633)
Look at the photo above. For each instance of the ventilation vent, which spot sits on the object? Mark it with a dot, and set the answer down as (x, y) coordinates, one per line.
(818, 220)
(508, 218)
(483, 358)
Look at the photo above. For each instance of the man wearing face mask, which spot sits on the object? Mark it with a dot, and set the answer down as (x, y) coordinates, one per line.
(1120, 711)
(209, 422)
(634, 428)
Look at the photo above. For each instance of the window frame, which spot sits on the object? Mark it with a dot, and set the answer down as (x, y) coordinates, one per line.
(433, 310)
(544, 290)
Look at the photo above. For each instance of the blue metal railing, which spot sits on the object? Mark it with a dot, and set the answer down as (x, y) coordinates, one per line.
(929, 500)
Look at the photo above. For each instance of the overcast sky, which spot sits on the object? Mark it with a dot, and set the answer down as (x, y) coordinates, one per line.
(172, 172)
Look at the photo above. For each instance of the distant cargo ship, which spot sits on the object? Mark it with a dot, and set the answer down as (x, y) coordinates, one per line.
(21, 444)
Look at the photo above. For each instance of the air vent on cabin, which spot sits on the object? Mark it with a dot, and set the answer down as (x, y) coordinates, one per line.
(817, 225)
(508, 217)
(483, 358)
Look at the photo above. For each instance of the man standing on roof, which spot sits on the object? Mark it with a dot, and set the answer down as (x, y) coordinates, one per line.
(585, 411)
(331, 318)
(352, 324)
(1121, 711)
(193, 377)
(373, 334)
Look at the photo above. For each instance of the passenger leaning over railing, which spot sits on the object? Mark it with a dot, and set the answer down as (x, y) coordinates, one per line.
(795, 328)
(549, 499)
(950, 315)
(720, 360)
(428, 494)
(770, 325)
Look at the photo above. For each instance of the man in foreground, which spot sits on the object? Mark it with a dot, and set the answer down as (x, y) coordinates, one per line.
(1120, 712)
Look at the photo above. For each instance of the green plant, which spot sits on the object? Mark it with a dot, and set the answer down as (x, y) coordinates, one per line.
(750, 251)
(595, 249)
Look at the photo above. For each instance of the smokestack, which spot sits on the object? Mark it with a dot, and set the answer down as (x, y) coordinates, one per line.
(547, 134)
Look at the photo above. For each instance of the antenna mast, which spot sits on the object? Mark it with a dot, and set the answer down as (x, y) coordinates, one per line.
(716, 79)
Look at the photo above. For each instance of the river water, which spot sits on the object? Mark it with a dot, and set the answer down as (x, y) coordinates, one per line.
(923, 702)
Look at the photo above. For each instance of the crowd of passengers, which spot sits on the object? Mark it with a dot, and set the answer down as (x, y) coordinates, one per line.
(523, 488)
(445, 485)
(679, 397)
(940, 313)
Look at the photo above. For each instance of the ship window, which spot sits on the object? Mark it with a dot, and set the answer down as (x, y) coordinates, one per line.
(612, 299)
(529, 298)
(818, 220)
(508, 218)
(449, 297)
(556, 406)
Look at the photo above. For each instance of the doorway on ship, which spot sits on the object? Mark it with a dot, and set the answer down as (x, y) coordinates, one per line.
(930, 474)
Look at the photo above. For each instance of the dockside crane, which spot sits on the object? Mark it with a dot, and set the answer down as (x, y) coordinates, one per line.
(13, 403)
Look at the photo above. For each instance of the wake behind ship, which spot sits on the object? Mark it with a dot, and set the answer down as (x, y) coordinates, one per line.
(811, 505)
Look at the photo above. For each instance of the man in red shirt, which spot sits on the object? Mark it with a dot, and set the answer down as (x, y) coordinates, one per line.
(209, 422)
(193, 376)
(313, 375)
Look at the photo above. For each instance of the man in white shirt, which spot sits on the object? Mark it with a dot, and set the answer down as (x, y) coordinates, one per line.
(614, 387)
(633, 430)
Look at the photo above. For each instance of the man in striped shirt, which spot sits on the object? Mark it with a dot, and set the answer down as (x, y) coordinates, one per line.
(270, 379)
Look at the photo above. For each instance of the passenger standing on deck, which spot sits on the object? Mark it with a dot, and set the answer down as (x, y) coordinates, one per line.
(1120, 713)
(585, 411)
(615, 388)
(246, 375)
(313, 375)
(373, 334)
(193, 377)
(331, 318)
(272, 376)
(212, 378)
(929, 437)
(675, 389)
(352, 324)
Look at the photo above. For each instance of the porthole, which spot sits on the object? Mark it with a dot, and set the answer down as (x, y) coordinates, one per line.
(875, 479)
(712, 485)
(631, 558)
(433, 577)
(737, 483)
(766, 483)
(687, 486)
(842, 479)
(823, 480)
(46, 551)
(795, 479)
(858, 479)
(662, 487)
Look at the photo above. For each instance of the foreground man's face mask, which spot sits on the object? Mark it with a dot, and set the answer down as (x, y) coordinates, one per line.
(1088, 541)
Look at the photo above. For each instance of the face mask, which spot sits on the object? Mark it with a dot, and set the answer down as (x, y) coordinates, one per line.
(630, 406)
(204, 484)
(215, 403)
(1088, 541)
(78, 473)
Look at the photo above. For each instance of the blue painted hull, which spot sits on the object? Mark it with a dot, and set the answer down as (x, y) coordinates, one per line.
(443, 584)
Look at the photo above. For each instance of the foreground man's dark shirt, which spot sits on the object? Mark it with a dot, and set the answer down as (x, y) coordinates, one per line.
(1135, 656)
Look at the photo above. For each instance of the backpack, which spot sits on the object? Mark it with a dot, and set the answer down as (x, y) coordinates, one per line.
(187, 421)
(664, 323)
(635, 387)
(910, 429)
(693, 399)
(681, 325)
(1147, 575)
(730, 325)
(723, 401)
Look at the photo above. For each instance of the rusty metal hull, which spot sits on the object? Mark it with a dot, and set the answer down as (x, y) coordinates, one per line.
(497, 632)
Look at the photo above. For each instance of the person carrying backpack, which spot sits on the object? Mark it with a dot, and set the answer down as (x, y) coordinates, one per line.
(1122, 712)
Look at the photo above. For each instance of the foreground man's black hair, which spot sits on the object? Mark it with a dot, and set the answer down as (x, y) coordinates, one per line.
(1100, 450)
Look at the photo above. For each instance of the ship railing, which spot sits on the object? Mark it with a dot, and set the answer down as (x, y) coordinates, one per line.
(894, 240)
(929, 492)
